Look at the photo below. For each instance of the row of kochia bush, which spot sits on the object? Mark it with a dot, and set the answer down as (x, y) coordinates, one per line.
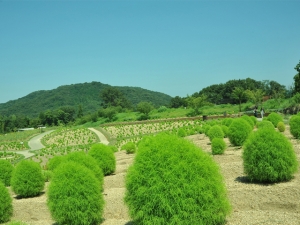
(171, 180)
(74, 195)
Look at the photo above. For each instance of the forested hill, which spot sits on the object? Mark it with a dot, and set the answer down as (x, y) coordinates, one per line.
(87, 95)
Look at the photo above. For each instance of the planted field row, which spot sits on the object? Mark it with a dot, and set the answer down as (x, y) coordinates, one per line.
(70, 137)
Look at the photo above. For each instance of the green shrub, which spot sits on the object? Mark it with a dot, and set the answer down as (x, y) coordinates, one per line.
(227, 121)
(295, 126)
(105, 157)
(254, 119)
(274, 118)
(162, 109)
(27, 179)
(218, 146)
(47, 174)
(174, 182)
(238, 131)
(54, 162)
(206, 128)
(249, 120)
(181, 132)
(129, 147)
(265, 124)
(281, 126)
(6, 208)
(269, 157)
(225, 130)
(74, 196)
(6, 169)
(215, 132)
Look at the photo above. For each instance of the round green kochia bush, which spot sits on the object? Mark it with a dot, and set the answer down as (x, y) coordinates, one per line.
(227, 121)
(249, 120)
(218, 146)
(129, 147)
(269, 156)
(295, 126)
(55, 162)
(274, 118)
(281, 127)
(27, 179)
(225, 130)
(6, 169)
(265, 124)
(74, 195)
(174, 182)
(215, 132)
(181, 132)
(238, 131)
(6, 208)
(105, 157)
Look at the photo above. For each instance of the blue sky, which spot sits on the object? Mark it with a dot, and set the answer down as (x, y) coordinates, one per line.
(174, 47)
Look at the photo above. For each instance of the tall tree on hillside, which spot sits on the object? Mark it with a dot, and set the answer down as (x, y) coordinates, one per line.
(297, 79)
(113, 97)
(239, 93)
(177, 102)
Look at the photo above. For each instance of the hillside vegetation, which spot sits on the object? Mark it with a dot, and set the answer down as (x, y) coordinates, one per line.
(85, 94)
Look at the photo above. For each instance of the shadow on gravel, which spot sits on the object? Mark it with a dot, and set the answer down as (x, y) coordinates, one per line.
(245, 180)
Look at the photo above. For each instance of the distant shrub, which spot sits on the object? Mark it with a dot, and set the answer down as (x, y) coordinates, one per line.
(281, 126)
(27, 179)
(113, 148)
(215, 132)
(225, 130)
(227, 121)
(162, 109)
(74, 196)
(249, 120)
(206, 128)
(269, 157)
(238, 131)
(6, 169)
(174, 182)
(47, 174)
(181, 132)
(265, 124)
(218, 146)
(54, 162)
(129, 147)
(295, 126)
(104, 156)
(274, 118)
(6, 208)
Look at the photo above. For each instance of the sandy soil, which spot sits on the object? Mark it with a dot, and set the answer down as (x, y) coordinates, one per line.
(252, 203)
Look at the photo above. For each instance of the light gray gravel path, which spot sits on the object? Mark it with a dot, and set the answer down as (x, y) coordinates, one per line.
(102, 138)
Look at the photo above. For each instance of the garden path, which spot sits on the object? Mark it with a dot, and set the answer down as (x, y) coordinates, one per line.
(102, 138)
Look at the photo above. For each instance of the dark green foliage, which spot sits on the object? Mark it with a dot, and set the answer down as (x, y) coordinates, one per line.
(6, 208)
(6, 169)
(174, 182)
(74, 195)
(281, 127)
(129, 147)
(27, 179)
(295, 126)
(218, 146)
(215, 132)
(249, 120)
(105, 158)
(269, 157)
(238, 132)
(274, 118)
(264, 124)
(86, 94)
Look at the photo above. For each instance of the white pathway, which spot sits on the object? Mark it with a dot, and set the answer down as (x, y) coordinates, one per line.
(102, 138)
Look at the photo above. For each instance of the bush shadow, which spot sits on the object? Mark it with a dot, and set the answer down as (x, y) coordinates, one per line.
(18, 197)
(246, 180)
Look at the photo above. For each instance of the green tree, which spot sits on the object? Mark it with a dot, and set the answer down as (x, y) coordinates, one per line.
(177, 102)
(255, 96)
(144, 107)
(239, 93)
(113, 97)
(297, 79)
(197, 102)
